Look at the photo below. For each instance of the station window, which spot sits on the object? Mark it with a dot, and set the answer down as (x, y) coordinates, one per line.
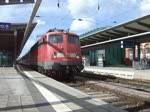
(73, 39)
(56, 39)
(131, 54)
(141, 53)
(148, 53)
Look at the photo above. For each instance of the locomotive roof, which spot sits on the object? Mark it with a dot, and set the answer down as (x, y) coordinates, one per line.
(60, 32)
(52, 32)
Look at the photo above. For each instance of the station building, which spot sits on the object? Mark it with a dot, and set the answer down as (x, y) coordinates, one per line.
(144, 48)
(12, 42)
(118, 45)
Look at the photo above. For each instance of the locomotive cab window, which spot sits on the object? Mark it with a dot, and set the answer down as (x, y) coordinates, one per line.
(56, 39)
(73, 39)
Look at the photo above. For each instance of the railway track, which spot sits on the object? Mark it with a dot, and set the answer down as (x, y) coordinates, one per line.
(128, 83)
(117, 92)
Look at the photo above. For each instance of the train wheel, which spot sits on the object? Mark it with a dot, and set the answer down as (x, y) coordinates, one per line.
(50, 73)
(42, 70)
(53, 75)
(46, 72)
(38, 69)
(71, 77)
(56, 75)
(60, 76)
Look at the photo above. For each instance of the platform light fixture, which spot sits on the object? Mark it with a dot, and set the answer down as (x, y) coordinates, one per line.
(14, 2)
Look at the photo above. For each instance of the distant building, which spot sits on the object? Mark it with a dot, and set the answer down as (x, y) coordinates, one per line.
(145, 51)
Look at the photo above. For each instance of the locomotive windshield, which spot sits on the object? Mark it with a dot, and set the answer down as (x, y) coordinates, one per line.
(56, 39)
(73, 39)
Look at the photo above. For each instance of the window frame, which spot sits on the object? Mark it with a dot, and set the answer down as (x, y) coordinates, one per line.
(49, 37)
(74, 36)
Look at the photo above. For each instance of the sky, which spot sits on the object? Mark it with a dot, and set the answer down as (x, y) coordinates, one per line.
(79, 16)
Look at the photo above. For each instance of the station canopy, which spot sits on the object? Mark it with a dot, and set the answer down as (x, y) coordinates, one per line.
(135, 28)
(7, 37)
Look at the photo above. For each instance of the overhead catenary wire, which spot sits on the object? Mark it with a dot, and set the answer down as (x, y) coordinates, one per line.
(63, 18)
(58, 4)
(122, 13)
(98, 8)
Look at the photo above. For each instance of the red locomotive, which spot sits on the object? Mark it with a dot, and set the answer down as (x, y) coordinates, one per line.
(57, 54)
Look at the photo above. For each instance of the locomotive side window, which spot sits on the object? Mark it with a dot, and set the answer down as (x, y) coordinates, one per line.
(56, 39)
(73, 39)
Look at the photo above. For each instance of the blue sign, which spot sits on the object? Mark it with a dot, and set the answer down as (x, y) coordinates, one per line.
(127, 44)
(5, 26)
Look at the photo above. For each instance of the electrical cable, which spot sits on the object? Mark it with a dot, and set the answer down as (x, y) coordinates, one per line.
(122, 13)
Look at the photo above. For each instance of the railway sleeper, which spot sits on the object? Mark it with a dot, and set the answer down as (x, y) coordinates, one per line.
(120, 103)
(134, 94)
(128, 107)
(139, 108)
(110, 99)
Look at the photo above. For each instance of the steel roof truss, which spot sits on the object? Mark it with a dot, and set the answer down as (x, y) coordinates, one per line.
(108, 36)
(123, 32)
(144, 24)
(117, 35)
(88, 39)
(134, 29)
(85, 42)
(97, 38)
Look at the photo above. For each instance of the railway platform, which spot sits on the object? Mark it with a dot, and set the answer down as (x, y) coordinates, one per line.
(24, 90)
(121, 72)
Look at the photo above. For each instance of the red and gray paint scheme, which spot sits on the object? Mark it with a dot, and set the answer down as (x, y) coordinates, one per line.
(57, 52)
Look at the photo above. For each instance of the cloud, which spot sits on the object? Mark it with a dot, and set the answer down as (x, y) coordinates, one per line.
(145, 7)
(40, 22)
(88, 10)
(82, 9)
(83, 26)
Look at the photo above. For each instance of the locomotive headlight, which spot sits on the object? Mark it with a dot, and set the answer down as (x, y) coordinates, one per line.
(55, 56)
(77, 55)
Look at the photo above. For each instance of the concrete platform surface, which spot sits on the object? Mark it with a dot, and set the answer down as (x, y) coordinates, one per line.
(122, 72)
(24, 90)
